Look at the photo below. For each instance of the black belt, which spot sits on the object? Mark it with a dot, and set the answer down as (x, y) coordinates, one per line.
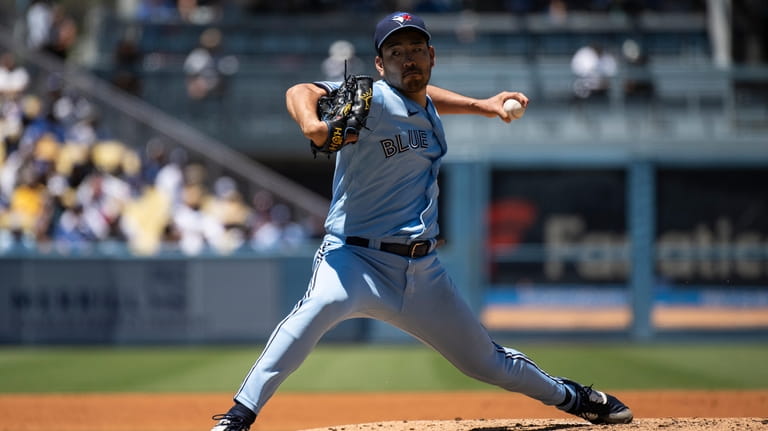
(414, 249)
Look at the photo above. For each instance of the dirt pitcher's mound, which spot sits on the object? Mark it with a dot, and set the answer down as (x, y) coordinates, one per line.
(672, 424)
(406, 411)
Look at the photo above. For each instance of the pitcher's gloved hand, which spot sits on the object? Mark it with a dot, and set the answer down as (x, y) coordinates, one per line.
(345, 111)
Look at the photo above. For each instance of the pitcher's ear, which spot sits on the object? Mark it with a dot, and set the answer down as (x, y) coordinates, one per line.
(432, 55)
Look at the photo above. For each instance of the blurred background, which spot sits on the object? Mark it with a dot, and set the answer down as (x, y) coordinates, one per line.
(153, 188)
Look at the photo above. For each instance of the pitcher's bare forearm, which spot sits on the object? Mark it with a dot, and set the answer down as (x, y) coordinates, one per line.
(450, 102)
(301, 102)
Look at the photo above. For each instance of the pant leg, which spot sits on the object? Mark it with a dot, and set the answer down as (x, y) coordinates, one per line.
(325, 303)
(435, 312)
(346, 282)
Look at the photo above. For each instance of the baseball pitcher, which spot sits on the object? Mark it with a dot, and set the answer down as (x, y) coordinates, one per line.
(378, 258)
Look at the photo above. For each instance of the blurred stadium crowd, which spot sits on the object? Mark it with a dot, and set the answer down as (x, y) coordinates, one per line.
(67, 186)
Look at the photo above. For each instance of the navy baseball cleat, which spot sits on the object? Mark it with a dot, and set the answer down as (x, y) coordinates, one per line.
(596, 406)
(229, 422)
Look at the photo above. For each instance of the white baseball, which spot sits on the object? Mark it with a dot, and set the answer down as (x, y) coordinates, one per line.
(514, 108)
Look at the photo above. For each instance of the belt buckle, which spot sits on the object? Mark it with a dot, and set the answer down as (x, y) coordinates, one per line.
(414, 245)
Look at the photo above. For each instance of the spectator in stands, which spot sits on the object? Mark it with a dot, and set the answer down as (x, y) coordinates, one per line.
(557, 11)
(199, 12)
(130, 166)
(34, 122)
(155, 157)
(74, 163)
(71, 231)
(14, 78)
(27, 210)
(594, 68)
(126, 74)
(39, 18)
(279, 231)
(170, 175)
(229, 208)
(195, 229)
(84, 129)
(44, 155)
(206, 69)
(341, 59)
(19, 146)
(638, 86)
(62, 34)
(104, 192)
(261, 202)
(9, 172)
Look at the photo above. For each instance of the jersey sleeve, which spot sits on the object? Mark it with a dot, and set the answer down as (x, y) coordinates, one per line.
(328, 85)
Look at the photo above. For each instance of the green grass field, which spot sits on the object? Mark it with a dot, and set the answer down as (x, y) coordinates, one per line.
(374, 368)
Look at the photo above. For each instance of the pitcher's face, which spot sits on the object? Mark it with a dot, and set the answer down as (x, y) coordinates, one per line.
(406, 60)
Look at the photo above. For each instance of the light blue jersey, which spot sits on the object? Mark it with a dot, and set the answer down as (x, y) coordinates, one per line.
(385, 185)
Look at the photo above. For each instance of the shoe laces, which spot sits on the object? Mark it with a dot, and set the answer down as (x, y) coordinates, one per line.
(233, 422)
(590, 403)
(600, 399)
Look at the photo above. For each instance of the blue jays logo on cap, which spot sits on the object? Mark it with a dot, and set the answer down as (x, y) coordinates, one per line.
(402, 18)
(397, 21)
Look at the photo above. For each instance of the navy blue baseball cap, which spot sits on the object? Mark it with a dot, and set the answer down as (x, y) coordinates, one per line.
(397, 21)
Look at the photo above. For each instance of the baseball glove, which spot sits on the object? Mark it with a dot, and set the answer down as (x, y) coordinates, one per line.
(344, 110)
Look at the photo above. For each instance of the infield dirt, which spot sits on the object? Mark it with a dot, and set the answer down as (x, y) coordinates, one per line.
(450, 411)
